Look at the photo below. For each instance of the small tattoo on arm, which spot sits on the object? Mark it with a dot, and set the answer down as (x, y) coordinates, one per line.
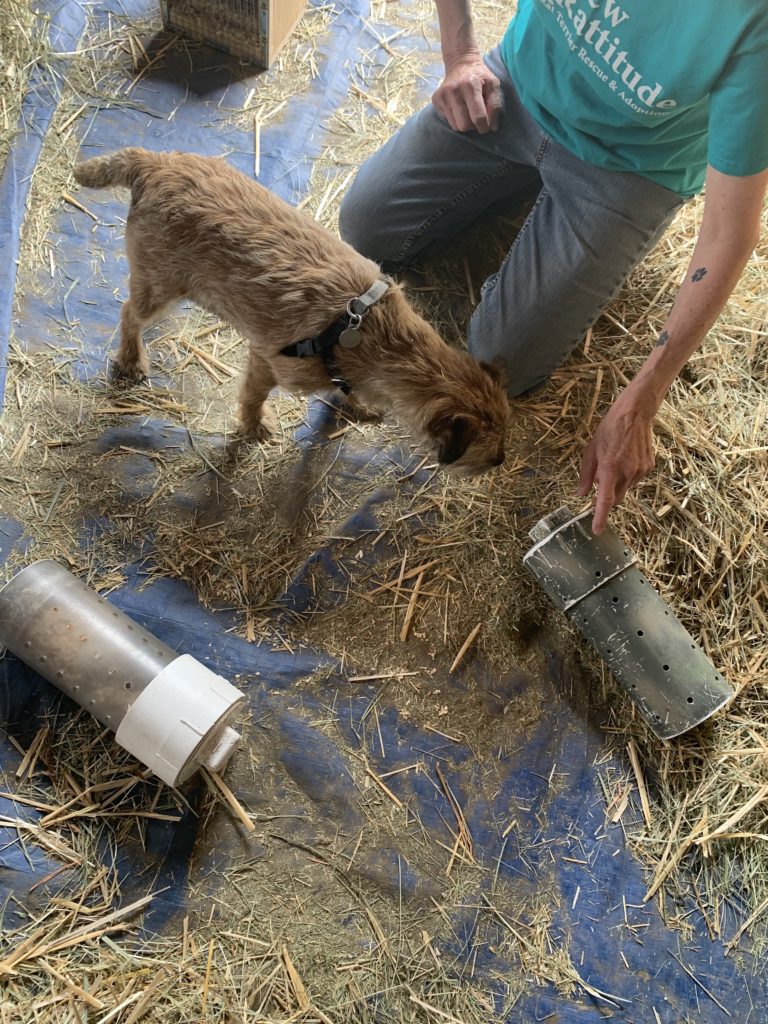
(662, 339)
(698, 274)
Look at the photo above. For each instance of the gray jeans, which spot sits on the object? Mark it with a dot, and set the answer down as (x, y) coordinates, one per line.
(587, 230)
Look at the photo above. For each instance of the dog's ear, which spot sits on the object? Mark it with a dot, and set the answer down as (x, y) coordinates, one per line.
(453, 435)
(496, 370)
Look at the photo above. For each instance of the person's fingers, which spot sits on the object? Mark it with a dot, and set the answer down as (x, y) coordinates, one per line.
(469, 101)
(492, 98)
(444, 101)
(647, 466)
(643, 467)
(620, 493)
(458, 118)
(604, 502)
(472, 94)
(438, 102)
(588, 467)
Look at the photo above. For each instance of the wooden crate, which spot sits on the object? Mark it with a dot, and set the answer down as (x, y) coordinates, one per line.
(251, 29)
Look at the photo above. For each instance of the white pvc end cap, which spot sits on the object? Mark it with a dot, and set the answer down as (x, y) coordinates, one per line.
(175, 714)
(216, 759)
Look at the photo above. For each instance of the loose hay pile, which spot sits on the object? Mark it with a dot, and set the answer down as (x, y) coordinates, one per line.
(446, 559)
(23, 44)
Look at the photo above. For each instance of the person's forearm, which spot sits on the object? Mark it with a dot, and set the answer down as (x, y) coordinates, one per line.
(709, 281)
(730, 230)
(457, 34)
(621, 450)
(469, 97)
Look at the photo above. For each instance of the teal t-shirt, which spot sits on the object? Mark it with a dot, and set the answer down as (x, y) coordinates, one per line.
(660, 89)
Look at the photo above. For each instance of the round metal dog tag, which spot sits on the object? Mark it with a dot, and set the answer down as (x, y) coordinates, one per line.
(350, 337)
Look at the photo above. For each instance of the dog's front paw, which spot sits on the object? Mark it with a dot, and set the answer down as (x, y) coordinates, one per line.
(257, 428)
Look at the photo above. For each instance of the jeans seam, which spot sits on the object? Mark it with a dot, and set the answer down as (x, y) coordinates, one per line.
(541, 151)
(543, 194)
(454, 202)
(495, 276)
(614, 291)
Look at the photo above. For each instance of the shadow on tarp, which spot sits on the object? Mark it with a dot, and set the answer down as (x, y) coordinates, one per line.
(547, 781)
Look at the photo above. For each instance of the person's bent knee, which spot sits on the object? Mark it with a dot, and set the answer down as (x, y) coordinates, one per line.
(355, 220)
(365, 220)
(520, 375)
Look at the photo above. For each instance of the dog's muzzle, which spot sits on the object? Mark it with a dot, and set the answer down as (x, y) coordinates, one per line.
(344, 331)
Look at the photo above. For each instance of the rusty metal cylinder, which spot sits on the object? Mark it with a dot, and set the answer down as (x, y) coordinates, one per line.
(595, 581)
(79, 641)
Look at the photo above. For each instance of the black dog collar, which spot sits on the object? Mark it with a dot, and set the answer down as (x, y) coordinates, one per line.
(344, 331)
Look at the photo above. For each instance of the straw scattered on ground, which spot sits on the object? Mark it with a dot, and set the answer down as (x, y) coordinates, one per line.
(23, 45)
(445, 558)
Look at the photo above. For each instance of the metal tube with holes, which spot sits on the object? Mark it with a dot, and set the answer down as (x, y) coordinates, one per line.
(170, 711)
(595, 581)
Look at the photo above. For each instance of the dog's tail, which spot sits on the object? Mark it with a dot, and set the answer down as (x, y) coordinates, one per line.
(125, 167)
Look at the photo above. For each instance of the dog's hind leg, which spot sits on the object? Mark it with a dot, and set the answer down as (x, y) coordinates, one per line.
(145, 302)
(256, 421)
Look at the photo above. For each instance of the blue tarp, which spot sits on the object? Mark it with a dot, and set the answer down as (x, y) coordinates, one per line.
(561, 828)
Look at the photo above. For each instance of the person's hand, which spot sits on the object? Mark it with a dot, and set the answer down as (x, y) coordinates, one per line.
(469, 96)
(619, 454)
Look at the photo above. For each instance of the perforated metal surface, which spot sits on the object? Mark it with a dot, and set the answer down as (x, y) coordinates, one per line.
(648, 650)
(79, 641)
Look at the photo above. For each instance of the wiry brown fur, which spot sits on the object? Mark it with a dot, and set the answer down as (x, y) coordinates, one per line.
(199, 229)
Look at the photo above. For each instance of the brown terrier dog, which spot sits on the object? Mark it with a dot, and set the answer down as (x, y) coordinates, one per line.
(198, 229)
